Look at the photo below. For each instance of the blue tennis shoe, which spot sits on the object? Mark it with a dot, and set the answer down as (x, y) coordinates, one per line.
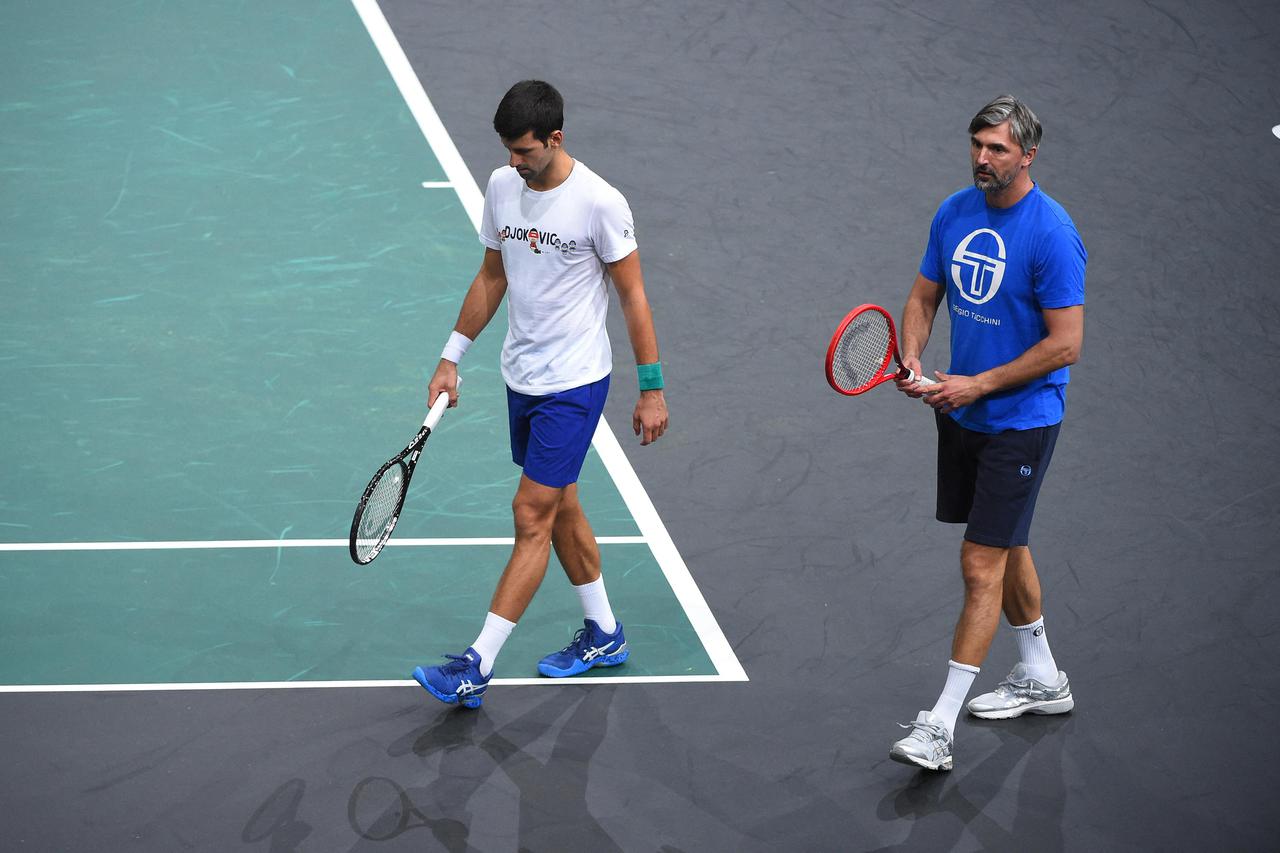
(457, 682)
(590, 647)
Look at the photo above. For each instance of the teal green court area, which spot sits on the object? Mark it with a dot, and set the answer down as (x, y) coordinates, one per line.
(300, 614)
(224, 285)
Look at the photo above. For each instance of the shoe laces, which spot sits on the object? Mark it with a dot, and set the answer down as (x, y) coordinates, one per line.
(579, 640)
(456, 664)
(926, 731)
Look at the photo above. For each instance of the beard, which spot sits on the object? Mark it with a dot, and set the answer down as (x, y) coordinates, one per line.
(993, 182)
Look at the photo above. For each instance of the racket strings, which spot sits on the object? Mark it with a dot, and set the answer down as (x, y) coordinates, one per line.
(379, 510)
(862, 351)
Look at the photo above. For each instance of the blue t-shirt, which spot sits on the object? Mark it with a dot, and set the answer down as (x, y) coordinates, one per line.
(1001, 267)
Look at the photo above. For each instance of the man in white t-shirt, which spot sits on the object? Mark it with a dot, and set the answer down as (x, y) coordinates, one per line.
(555, 234)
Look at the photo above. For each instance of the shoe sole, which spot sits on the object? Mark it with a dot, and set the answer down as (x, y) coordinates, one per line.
(579, 667)
(943, 765)
(1056, 706)
(447, 698)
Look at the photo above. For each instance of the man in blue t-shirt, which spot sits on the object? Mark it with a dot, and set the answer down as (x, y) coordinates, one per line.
(1011, 264)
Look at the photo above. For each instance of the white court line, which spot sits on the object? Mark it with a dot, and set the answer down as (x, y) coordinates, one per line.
(320, 685)
(606, 444)
(431, 185)
(455, 169)
(217, 544)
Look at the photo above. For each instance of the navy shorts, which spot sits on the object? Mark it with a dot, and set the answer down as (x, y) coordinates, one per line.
(990, 480)
(550, 434)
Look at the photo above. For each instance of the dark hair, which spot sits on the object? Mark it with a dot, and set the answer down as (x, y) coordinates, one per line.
(1024, 127)
(530, 105)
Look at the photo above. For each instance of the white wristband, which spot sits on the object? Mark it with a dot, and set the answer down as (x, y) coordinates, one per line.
(456, 348)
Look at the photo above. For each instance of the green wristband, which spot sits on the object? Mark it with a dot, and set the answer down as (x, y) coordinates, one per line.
(650, 376)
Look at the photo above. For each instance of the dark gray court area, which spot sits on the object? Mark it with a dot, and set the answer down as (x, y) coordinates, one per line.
(783, 161)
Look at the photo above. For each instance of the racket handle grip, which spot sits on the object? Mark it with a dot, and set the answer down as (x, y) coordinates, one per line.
(920, 377)
(437, 408)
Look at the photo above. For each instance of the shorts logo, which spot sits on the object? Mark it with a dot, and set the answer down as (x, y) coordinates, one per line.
(1025, 470)
(976, 275)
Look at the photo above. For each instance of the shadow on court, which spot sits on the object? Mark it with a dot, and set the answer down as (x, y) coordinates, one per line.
(966, 797)
(463, 752)
(276, 821)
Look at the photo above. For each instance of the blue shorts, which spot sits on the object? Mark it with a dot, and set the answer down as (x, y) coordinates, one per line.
(550, 434)
(990, 481)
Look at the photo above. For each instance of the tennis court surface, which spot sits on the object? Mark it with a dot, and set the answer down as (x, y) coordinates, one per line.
(233, 240)
(225, 294)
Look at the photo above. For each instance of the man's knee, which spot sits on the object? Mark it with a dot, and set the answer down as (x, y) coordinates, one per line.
(534, 510)
(983, 566)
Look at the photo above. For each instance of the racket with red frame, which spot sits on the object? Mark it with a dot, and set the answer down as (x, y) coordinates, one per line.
(861, 350)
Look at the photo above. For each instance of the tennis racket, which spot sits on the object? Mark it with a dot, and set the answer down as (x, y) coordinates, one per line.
(383, 498)
(861, 349)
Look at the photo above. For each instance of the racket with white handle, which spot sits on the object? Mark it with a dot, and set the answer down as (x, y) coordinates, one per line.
(861, 350)
(383, 498)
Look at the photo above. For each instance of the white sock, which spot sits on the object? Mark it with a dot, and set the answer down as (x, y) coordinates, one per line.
(489, 643)
(1033, 648)
(595, 605)
(960, 678)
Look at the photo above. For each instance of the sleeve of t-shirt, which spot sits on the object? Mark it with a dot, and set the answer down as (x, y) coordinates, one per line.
(613, 230)
(1059, 271)
(931, 264)
(489, 228)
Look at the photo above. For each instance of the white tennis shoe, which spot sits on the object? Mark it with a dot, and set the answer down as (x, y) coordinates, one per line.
(928, 745)
(1021, 694)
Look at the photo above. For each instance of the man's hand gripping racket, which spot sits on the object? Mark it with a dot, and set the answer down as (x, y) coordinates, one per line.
(383, 498)
(861, 350)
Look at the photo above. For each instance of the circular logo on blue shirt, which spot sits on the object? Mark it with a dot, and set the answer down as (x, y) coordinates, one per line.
(977, 275)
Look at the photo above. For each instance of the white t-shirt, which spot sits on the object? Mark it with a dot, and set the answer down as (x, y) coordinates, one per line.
(555, 245)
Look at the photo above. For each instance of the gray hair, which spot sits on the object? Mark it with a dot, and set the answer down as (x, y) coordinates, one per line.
(1023, 124)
